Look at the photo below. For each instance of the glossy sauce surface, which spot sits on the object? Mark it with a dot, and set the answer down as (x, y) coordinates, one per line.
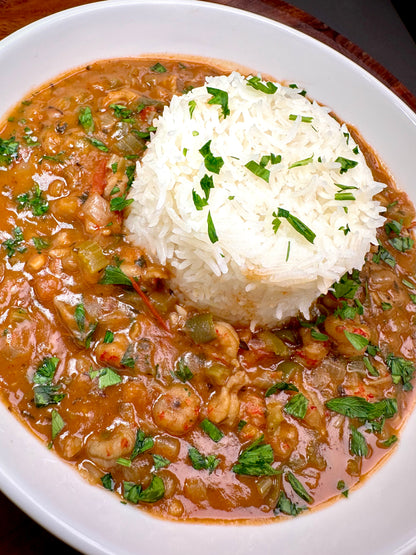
(128, 376)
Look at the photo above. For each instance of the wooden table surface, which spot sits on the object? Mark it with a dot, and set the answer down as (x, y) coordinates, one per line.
(18, 533)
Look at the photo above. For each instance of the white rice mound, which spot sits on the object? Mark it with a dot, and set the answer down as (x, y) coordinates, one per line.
(252, 274)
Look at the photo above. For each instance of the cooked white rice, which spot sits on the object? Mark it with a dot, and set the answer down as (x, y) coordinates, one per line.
(252, 273)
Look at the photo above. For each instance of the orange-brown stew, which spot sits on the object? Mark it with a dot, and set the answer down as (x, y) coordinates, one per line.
(173, 410)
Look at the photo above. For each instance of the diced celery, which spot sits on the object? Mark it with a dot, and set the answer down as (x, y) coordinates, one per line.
(91, 257)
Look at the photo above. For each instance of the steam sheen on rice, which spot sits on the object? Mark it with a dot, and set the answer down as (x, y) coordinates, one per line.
(259, 270)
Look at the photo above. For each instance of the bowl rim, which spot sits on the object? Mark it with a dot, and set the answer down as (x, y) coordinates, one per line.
(10, 486)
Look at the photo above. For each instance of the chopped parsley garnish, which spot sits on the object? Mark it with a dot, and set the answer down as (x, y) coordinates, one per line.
(108, 337)
(123, 113)
(402, 370)
(344, 196)
(40, 243)
(286, 506)
(114, 276)
(258, 170)
(297, 224)
(58, 424)
(389, 442)
(203, 462)
(346, 229)
(130, 172)
(303, 119)
(80, 316)
(212, 234)
(265, 87)
(256, 460)
(9, 149)
(346, 164)
(358, 341)
(135, 494)
(47, 394)
(117, 204)
(346, 311)
(212, 163)
(342, 488)
(358, 407)
(297, 406)
(143, 443)
(33, 200)
(86, 120)
(192, 106)
(347, 286)
(107, 481)
(358, 444)
(384, 255)
(159, 461)
(14, 243)
(158, 68)
(298, 487)
(211, 429)
(393, 226)
(280, 386)
(370, 368)
(106, 376)
(199, 202)
(182, 372)
(318, 336)
(401, 244)
(46, 371)
(303, 162)
(98, 144)
(219, 97)
(386, 306)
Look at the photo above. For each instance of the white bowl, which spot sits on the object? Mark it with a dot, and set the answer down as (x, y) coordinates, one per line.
(378, 517)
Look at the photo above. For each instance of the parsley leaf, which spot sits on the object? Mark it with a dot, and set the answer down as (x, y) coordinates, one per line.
(143, 443)
(159, 461)
(108, 337)
(46, 370)
(358, 444)
(203, 462)
(401, 244)
(259, 170)
(117, 204)
(33, 200)
(98, 144)
(402, 370)
(358, 407)
(211, 429)
(9, 149)
(346, 164)
(256, 460)
(158, 68)
(46, 394)
(212, 234)
(80, 316)
(286, 506)
(86, 120)
(114, 276)
(298, 487)
(297, 224)
(346, 287)
(297, 406)
(106, 376)
(13, 244)
(219, 97)
(107, 481)
(182, 371)
(358, 341)
(280, 386)
(212, 163)
(58, 424)
(259, 85)
(135, 494)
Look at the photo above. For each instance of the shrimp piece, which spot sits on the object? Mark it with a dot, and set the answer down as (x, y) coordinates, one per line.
(176, 411)
(336, 328)
(227, 340)
(113, 353)
(312, 352)
(253, 413)
(225, 404)
(106, 447)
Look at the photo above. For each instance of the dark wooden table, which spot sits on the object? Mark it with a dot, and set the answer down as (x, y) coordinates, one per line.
(18, 533)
